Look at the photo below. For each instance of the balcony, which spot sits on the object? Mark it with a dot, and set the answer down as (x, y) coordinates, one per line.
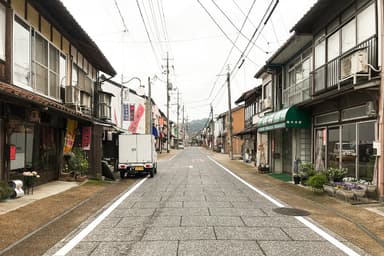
(298, 93)
(328, 76)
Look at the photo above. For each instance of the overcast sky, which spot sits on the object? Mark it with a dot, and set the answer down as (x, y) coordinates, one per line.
(197, 47)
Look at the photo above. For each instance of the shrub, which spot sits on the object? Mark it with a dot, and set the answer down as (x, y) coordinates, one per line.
(5, 190)
(306, 170)
(77, 162)
(336, 174)
(317, 181)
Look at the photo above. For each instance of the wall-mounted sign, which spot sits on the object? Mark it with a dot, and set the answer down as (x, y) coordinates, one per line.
(34, 116)
(86, 138)
(69, 139)
(12, 152)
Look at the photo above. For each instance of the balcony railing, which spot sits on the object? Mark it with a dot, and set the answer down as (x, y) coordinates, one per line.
(298, 92)
(328, 75)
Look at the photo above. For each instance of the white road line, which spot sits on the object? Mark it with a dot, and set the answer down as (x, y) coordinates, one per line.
(80, 236)
(307, 223)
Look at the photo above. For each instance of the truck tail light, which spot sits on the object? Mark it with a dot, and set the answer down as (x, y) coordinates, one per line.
(148, 165)
(122, 166)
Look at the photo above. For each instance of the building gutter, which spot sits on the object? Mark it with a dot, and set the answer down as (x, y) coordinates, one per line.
(380, 171)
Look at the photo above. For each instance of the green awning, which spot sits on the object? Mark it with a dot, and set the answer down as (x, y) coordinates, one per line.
(285, 118)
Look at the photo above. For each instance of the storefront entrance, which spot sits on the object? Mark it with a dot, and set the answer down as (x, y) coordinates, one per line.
(348, 146)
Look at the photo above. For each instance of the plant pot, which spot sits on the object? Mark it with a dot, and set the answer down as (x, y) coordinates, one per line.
(359, 192)
(296, 179)
(371, 188)
(346, 194)
(331, 190)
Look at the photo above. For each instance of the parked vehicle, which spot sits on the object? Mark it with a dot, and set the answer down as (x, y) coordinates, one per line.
(137, 155)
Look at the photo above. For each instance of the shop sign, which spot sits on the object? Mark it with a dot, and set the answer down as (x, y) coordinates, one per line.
(12, 152)
(70, 135)
(34, 116)
(324, 137)
(86, 138)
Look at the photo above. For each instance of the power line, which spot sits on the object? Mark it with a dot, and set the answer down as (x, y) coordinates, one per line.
(163, 23)
(234, 25)
(149, 38)
(155, 25)
(122, 18)
(221, 29)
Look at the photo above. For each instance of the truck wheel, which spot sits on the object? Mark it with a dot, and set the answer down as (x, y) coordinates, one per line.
(122, 174)
(151, 173)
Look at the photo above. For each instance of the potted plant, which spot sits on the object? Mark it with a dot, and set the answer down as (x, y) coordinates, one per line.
(296, 178)
(5, 191)
(336, 174)
(306, 170)
(317, 181)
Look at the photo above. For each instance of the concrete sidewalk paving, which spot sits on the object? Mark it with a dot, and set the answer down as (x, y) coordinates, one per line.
(39, 192)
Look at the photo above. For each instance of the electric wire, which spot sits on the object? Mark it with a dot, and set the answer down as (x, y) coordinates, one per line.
(164, 24)
(155, 25)
(122, 18)
(221, 29)
(149, 38)
(229, 54)
(234, 25)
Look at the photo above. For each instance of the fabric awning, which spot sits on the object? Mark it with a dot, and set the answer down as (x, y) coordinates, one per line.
(285, 118)
(246, 131)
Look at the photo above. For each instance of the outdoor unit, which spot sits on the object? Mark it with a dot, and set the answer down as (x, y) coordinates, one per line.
(353, 65)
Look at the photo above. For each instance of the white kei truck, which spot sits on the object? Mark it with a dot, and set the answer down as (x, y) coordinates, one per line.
(137, 155)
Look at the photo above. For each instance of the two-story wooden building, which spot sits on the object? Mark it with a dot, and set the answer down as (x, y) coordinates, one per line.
(49, 67)
(326, 91)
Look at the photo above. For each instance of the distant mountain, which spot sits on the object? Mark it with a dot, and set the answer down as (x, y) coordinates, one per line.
(195, 126)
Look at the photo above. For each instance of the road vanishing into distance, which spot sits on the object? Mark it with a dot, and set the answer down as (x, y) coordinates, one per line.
(194, 206)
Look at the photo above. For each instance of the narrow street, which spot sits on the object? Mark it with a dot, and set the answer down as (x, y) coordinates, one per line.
(195, 207)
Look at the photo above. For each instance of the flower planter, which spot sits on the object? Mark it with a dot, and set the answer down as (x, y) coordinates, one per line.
(345, 194)
(359, 192)
(331, 190)
(371, 188)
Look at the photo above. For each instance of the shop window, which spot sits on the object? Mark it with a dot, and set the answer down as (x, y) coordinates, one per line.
(333, 148)
(21, 53)
(366, 162)
(22, 137)
(347, 148)
(2, 32)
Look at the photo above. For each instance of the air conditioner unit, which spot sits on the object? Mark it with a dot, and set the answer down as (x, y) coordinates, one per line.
(354, 64)
(267, 103)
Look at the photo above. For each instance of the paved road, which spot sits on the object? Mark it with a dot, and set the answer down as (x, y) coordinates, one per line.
(194, 207)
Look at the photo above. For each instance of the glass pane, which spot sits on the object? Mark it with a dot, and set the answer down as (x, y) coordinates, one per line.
(306, 68)
(21, 54)
(333, 151)
(2, 32)
(74, 75)
(348, 149)
(63, 68)
(41, 50)
(320, 54)
(320, 142)
(17, 138)
(366, 157)
(366, 24)
(41, 74)
(53, 85)
(53, 59)
(333, 46)
(320, 79)
(348, 36)
(29, 133)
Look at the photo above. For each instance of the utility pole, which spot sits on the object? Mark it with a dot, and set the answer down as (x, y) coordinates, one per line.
(149, 100)
(168, 121)
(177, 122)
(183, 127)
(213, 129)
(230, 114)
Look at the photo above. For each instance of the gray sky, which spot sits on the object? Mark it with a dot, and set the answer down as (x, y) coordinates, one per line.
(196, 45)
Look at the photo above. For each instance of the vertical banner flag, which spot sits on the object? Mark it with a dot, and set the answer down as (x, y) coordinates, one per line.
(86, 138)
(138, 115)
(69, 139)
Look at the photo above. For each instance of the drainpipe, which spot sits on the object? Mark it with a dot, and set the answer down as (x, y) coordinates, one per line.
(380, 176)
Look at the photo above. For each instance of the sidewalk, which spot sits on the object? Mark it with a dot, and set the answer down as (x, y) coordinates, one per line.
(40, 192)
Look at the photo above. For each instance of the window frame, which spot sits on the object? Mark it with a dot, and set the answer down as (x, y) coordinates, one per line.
(3, 35)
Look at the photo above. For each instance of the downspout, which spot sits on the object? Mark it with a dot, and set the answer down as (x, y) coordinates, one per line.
(380, 175)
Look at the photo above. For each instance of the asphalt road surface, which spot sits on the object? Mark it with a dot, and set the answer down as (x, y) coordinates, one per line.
(195, 207)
